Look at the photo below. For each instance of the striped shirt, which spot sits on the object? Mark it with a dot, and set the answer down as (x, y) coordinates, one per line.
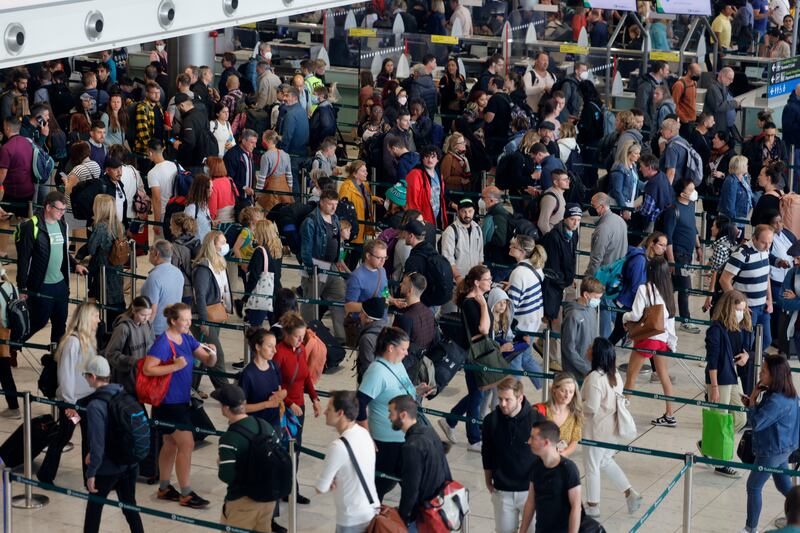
(750, 269)
(525, 292)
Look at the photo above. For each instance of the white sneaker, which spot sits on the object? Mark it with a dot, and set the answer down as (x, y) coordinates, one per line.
(780, 522)
(449, 432)
(592, 510)
(475, 447)
(634, 500)
(749, 530)
(13, 414)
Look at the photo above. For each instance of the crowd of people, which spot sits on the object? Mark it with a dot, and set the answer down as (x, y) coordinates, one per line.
(241, 178)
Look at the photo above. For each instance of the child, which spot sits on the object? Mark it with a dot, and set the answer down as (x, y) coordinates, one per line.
(346, 230)
(245, 245)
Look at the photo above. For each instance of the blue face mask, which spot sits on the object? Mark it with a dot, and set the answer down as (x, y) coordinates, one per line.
(594, 303)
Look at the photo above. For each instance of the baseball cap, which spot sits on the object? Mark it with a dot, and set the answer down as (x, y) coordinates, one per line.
(547, 125)
(466, 203)
(416, 227)
(98, 366)
(181, 98)
(374, 308)
(229, 395)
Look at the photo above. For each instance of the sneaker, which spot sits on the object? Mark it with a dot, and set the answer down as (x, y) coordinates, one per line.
(169, 494)
(592, 510)
(634, 500)
(666, 421)
(13, 414)
(302, 500)
(475, 447)
(780, 522)
(194, 501)
(277, 528)
(689, 328)
(727, 472)
(655, 379)
(700, 448)
(449, 432)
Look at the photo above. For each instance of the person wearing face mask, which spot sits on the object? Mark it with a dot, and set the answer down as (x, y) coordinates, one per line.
(212, 295)
(159, 55)
(684, 94)
(729, 340)
(682, 239)
(580, 328)
(573, 99)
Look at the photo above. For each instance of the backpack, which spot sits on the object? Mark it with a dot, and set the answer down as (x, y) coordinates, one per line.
(439, 275)
(48, 379)
(609, 120)
(61, 99)
(574, 163)
(535, 208)
(266, 474)
(128, 430)
(390, 236)
(610, 276)
(289, 218)
(694, 164)
(559, 85)
(183, 180)
(18, 318)
(345, 210)
(83, 195)
(372, 150)
(608, 146)
(520, 225)
(578, 192)
(120, 252)
(43, 166)
(790, 212)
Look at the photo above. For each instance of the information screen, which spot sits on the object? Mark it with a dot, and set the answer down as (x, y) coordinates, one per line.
(684, 7)
(619, 5)
(784, 76)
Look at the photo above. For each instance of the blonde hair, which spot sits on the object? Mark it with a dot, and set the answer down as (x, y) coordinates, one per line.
(725, 312)
(249, 215)
(738, 162)
(184, 224)
(503, 321)
(452, 140)
(81, 325)
(567, 130)
(627, 148)
(528, 140)
(626, 120)
(208, 251)
(266, 234)
(574, 405)
(437, 6)
(538, 257)
(104, 210)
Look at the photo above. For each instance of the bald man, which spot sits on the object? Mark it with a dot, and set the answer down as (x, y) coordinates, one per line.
(719, 101)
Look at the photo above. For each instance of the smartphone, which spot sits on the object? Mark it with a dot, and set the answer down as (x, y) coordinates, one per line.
(75, 419)
(171, 140)
(208, 348)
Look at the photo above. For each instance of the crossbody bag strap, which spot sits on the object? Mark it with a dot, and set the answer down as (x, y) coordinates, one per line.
(294, 376)
(403, 385)
(266, 261)
(358, 470)
(378, 286)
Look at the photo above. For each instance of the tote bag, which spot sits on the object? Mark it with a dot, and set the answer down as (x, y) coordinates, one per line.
(625, 425)
(717, 434)
(486, 352)
(153, 389)
(261, 299)
(652, 321)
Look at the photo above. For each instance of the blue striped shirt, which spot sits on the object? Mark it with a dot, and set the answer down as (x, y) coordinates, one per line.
(525, 292)
(750, 269)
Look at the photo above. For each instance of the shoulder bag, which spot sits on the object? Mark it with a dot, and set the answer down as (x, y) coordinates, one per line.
(652, 321)
(625, 425)
(261, 299)
(421, 418)
(274, 185)
(485, 352)
(352, 326)
(153, 389)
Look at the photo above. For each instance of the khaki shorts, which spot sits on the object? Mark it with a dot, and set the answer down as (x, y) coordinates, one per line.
(248, 514)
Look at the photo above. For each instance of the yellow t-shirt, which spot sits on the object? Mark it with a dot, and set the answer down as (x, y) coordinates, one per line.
(722, 25)
(247, 248)
(570, 430)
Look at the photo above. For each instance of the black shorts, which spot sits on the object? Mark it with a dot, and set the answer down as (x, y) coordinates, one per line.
(175, 413)
(19, 207)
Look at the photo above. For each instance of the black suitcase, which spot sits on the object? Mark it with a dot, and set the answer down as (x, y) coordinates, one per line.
(148, 467)
(200, 419)
(43, 428)
(336, 352)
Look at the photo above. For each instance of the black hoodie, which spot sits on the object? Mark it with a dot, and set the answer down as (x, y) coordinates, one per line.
(505, 450)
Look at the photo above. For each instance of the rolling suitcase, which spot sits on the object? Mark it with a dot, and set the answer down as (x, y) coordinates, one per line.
(200, 419)
(148, 467)
(43, 428)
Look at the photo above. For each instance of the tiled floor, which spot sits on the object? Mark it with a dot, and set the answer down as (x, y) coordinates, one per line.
(718, 503)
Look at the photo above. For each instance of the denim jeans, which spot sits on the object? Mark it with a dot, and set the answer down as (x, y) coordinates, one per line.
(756, 481)
(607, 318)
(759, 315)
(526, 361)
(470, 406)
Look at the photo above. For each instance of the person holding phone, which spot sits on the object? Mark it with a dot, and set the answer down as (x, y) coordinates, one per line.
(729, 340)
(174, 353)
(775, 421)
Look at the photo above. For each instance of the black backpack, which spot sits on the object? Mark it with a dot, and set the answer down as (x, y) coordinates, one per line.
(439, 275)
(128, 430)
(61, 100)
(207, 142)
(535, 208)
(519, 225)
(83, 195)
(266, 475)
(372, 150)
(578, 192)
(345, 210)
(18, 318)
(48, 379)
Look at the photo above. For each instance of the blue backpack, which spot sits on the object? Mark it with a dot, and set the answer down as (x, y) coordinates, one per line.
(183, 180)
(610, 276)
(43, 165)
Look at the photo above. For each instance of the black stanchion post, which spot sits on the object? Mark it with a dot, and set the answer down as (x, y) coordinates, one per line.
(546, 366)
(315, 290)
(7, 522)
(28, 500)
(133, 269)
(791, 166)
(103, 296)
(687, 494)
(30, 209)
(293, 494)
(484, 176)
(759, 353)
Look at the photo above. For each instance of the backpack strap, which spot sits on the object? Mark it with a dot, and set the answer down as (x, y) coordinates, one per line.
(358, 470)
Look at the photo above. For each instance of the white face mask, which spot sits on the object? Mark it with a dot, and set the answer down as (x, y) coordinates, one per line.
(160, 47)
(693, 197)
(267, 55)
(739, 315)
(402, 100)
(386, 204)
(225, 249)
(584, 75)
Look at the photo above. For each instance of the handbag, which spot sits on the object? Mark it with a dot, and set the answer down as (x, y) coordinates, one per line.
(352, 325)
(445, 511)
(485, 352)
(153, 389)
(217, 313)
(745, 449)
(717, 434)
(651, 323)
(625, 425)
(267, 200)
(261, 299)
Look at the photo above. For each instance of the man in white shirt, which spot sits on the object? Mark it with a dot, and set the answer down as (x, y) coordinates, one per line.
(777, 10)
(161, 180)
(463, 15)
(355, 495)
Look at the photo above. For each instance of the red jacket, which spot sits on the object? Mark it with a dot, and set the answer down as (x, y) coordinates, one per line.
(287, 360)
(418, 196)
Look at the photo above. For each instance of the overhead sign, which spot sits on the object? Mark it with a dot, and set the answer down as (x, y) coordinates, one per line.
(784, 76)
(684, 7)
(618, 5)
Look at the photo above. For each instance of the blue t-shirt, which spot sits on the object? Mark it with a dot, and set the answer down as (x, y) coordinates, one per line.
(362, 283)
(181, 381)
(258, 385)
(381, 385)
(680, 228)
(675, 156)
(762, 7)
(163, 286)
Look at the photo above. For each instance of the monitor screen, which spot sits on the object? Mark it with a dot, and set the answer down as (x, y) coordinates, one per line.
(618, 5)
(684, 7)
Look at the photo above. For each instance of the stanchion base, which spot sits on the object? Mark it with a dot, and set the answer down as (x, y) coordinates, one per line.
(37, 501)
(644, 373)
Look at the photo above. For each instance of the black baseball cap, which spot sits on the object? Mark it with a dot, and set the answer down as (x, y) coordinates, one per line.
(229, 395)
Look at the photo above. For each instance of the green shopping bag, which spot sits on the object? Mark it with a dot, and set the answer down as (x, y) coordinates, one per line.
(717, 434)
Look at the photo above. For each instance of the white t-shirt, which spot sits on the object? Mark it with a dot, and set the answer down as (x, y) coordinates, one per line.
(352, 506)
(162, 176)
(131, 182)
(119, 197)
(222, 133)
